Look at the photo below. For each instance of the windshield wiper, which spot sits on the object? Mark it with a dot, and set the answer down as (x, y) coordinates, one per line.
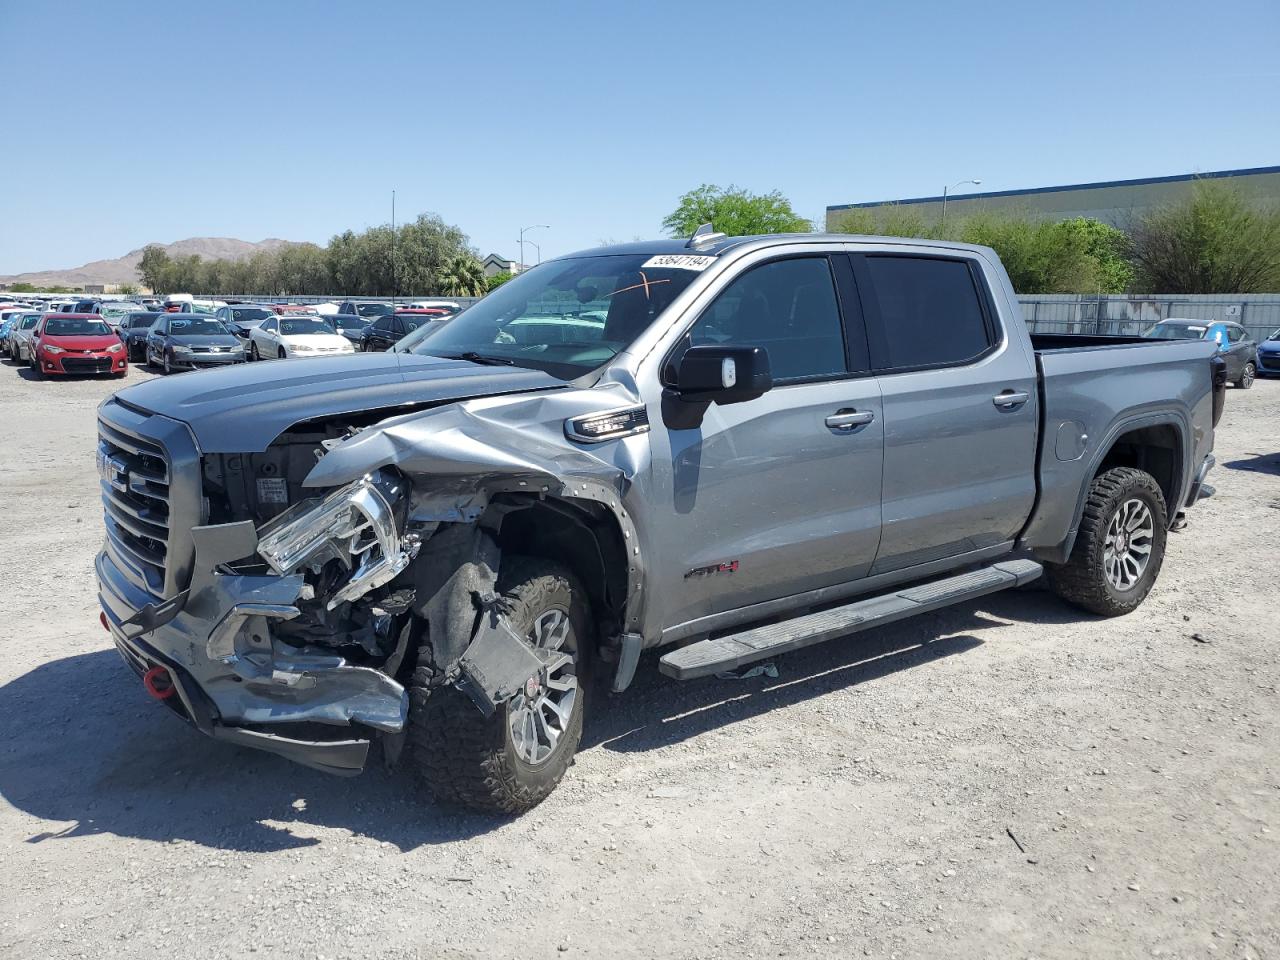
(481, 358)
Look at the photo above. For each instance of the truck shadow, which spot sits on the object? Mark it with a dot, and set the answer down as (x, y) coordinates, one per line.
(84, 747)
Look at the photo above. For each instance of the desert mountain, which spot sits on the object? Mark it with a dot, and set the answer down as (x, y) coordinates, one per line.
(124, 269)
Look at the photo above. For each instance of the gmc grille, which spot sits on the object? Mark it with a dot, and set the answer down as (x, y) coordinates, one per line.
(149, 473)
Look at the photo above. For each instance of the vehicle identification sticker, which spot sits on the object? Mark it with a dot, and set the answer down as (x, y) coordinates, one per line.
(678, 261)
(273, 490)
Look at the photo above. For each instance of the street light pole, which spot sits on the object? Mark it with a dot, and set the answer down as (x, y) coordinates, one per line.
(947, 190)
(537, 248)
(536, 226)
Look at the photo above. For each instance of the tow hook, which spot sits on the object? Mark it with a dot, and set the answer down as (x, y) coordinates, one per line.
(158, 683)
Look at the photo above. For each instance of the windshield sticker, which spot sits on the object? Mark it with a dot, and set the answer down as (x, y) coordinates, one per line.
(678, 261)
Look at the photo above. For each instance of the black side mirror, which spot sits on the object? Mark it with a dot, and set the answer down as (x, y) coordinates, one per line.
(722, 374)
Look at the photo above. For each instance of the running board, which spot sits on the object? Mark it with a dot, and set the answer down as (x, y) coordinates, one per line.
(729, 652)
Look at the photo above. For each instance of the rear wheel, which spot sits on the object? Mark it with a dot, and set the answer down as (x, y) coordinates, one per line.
(511, 761)
(1120, 546)
(1247, 376)
(281, 355)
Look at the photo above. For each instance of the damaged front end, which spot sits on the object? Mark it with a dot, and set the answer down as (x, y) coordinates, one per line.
(296, 590)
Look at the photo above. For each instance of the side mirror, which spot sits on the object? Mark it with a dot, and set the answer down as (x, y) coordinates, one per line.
(722, 374)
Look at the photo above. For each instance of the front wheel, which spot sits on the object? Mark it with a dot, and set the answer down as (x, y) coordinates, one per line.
(281, 355)
(1247, 376)
(1120, 546)
(511, 761)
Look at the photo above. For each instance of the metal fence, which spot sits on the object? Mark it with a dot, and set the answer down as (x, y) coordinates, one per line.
(271, 298)
(1129, 314)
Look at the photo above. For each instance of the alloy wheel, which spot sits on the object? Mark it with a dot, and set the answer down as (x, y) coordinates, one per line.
(539, 715)
(1127, 547)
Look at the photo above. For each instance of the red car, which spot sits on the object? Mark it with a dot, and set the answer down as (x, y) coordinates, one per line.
(72, 343)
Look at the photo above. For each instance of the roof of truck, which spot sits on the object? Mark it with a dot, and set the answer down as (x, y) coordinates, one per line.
(714, 248)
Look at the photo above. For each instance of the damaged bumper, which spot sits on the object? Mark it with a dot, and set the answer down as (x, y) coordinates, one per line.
(231, 677)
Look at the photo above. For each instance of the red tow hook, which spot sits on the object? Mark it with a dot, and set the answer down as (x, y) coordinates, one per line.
(158, 683)
(102, 616)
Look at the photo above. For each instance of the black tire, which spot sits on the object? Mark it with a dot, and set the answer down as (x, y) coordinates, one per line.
(1247, 376)
(34, 364)
(1082, 580)
(253, 351)
(281, 355)
(466, 758)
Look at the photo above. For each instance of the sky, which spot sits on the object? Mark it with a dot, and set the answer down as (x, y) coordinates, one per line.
(135, 122)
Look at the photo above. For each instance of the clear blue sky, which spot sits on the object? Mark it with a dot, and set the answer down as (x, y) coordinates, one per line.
(156, 121)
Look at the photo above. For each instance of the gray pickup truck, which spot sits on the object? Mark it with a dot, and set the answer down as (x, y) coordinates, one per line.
(727, 447)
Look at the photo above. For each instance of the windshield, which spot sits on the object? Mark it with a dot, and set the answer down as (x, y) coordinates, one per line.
(196, 327)
(29, 320)
(1275, 335)
(298, 326)
(76, 327)
(349, 321)
(374, 309)
(566, 317)
(245, 314)
(114, 311)
(1176, 331)
(137, 320)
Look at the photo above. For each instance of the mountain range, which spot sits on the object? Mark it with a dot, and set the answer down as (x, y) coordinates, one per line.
(125, 269)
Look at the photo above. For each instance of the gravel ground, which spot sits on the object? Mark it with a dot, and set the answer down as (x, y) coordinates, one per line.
(1008, 778)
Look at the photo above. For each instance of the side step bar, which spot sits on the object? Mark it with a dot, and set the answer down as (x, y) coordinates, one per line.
(729, 652)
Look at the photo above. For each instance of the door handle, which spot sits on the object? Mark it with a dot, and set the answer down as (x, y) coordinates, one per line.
(1009, 399)
(846, 420)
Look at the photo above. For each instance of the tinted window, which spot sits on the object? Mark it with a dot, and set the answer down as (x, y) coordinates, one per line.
(789, 308)
(1235, 334)
(374, 309)
(251, 313)
(77, 327)
(929, 312)
(382, 324)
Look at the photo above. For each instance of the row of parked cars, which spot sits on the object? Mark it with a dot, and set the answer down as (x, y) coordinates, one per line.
(183, 333)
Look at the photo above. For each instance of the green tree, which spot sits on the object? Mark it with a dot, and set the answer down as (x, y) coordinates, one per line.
(498, 279)
(462, 276)
(153, 266)
(735, 212)
(128, 289)
(1214, 242)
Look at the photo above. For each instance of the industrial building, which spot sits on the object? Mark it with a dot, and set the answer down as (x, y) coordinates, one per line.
(1117, 202)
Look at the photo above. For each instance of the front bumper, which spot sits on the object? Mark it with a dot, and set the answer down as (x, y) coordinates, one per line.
(233, 680)
(83, 364)
(200, 361)
(1268, 362)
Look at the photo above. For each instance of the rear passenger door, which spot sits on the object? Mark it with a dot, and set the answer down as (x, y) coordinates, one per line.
(960, 408)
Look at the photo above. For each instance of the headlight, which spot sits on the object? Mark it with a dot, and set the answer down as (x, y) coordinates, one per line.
(115, 348)
(302, 348)
(181, 351)
(50, 348)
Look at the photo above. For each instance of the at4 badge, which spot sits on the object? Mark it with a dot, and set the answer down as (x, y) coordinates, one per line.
(730, 566)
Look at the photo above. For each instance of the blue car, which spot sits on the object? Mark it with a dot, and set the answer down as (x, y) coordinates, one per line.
(1269, 356)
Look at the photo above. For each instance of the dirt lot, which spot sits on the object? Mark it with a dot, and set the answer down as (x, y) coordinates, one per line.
(864, 803)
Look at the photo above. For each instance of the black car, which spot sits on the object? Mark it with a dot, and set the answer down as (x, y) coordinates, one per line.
(387, 331)
(350, 325)
(241, 317)
(370, 311)
(133, 331)
(180, 341)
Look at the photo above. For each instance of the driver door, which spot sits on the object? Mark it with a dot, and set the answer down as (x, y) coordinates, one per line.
(779, 495)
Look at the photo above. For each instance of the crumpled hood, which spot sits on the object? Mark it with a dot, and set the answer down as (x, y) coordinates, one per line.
(243, 408)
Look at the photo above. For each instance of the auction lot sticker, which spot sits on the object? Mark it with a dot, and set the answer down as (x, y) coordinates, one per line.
(678, 261)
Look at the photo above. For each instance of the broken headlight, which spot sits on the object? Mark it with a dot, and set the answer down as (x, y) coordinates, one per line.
(355, 525)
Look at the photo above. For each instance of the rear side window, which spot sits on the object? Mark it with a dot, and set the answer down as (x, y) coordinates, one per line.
(1235, 334)
(929, 313)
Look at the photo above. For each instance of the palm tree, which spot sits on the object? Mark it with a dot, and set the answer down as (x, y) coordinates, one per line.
(462, 276)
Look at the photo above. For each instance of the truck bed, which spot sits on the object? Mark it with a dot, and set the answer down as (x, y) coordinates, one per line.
(1074, 341)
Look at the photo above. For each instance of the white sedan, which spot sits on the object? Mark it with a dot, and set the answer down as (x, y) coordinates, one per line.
(287, 337)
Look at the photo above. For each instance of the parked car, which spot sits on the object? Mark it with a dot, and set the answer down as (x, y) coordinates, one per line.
(448, 306)
(350, 325)
(134, 330)
(91, 305)
(20, 336)
(386, 331)
(1269, 356)
(115, 311)
(295, 335)
(295, 309)
(240, 318)
(1234, 343)
(772, 442)
(191, 341)
(68, 344)
(368, 309)
(5, 326)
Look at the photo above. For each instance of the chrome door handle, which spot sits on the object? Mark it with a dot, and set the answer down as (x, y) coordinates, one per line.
(848, 419)
(1010, 399)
